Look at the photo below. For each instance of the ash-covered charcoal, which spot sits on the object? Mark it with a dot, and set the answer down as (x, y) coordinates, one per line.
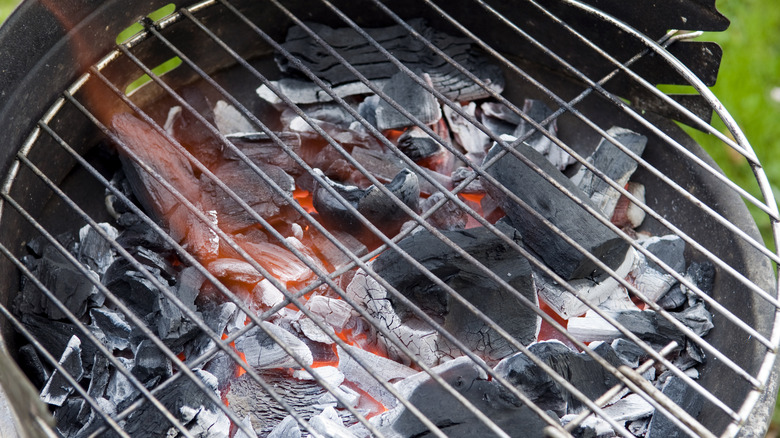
(591, 427)
(304, 92)
(188, 404)
(473, 141)
(247, 398)
(253, 190)
(448, 216)
(417, 145)
(333, 312)
(261, 150)
(95, 251)
(385, 369)
(262, 352)
(615, 164)
(627, 214)
(558, 208)
(498, 118)
(57, 388)
(647, 325)
(579, 369)
(229, 120)
(386, 166)
(377, 207)
(330, 253)
(649, 278)
(374, 65)
(514, 418)
(630, 408)
(287, 428)
(68, 284)
(504, 308)
(329, 424)
(150, 362)
(599, 293)
(111, 328)
(538, 111)
(685, 397)
(460, 174)
(407, 93)
(628, 352)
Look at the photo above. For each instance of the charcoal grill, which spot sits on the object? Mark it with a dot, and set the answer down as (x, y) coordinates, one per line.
(597, 62)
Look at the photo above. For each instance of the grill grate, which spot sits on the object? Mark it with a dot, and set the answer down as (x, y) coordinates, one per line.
(31, 167)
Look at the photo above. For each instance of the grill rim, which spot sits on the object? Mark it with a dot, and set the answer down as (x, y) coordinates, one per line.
(58, 92)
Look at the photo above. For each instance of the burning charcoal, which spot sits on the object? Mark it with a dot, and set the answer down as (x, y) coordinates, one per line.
(307, 92)
(372, 64)
(627, 214)
(469, 281)
(592, 427)
(94, 251)
(514, 418)
(538, 111)
(378, 208)
(58, 389)
(262, 352)
(331, 375)
(150, 362)
(287, 428)
(68, 284)
(468, 136)
(313, 332)
(648, 325)
(402, 89)
(417, 145)
(268, 294)
(229, 120)
(32, 365)
(628, 352)
(460, 174)
(223, 367)
(615, 164)
(567, 305)
(652, 280)
(247, 398)
(252, 189)
(262, 151)
(111, 328)
(382, 368)
(579, 369)
(332, 254)
(282, 264)
(559, 209)
(630, 408)
(447, 217)
(334, 312)
(685, 397)
(234, 270)
(247, 422)
(329, 425)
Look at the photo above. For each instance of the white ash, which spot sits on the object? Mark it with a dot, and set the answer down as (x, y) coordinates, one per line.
(287, 428)
(262, 352)
(382, 368)
(229, 120)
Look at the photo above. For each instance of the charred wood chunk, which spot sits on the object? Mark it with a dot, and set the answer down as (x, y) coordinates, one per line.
(615, 164)
(417, 145)
(111, 328)
(446, 217)
(579, 369)
(374, 65)
(260, 149)
(407, 93)
(262, 352)
(508, 413)
(55, 335)
(556, 207)
(374, 205)
(150, 362)
(247, 398)
(685, 397)
(470, 281)
(58, 389)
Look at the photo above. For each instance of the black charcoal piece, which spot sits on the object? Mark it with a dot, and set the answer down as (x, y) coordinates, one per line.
(648, 325)
(374, 65)
(702, 274)
(628, 352)
(417, 145)
(100, 376)
(504, 308)
(378, 208)
(615, 163)
(262, 352)
(498, 118)
(639, 427)
(572, 220)
(253, 190)
(223, 367)
(67, 416)
(58, 389)
(156, 261)
(579, 369)
(448, 216)
(95, 251)
(150, 362)
(670, 249)
(32, 366)
(261, 150)
(111, 328)
(673, 299)
(460, 174)
(247, 398)
(407, 93)
(685, 397)
(120, 391)
(508, 413)
(54, 337)
(139, 234)
(697, 318)
(62, 278)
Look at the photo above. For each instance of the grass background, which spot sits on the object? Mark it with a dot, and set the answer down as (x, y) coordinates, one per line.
(749, 87)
